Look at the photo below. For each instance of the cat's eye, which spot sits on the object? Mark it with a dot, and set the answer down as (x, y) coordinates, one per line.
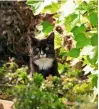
(37, 49)
(47, 48)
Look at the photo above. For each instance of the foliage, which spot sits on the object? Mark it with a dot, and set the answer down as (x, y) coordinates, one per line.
(47, 27)
(34, 97)
(80, 22)
(12, 74)
(50, 93)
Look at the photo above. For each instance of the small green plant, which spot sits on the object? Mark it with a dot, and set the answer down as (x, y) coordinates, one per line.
(41, 93)
(12, 74)
(50, 93)
(34, 97)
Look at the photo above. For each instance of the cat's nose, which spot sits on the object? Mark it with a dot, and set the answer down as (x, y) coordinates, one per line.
(42, 54)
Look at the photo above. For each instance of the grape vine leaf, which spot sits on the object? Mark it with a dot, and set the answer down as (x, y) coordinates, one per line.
(93, 18)
(70, 21)
(94, 59)
(80, 37)
(74, 52)
(94, 78)
(94, 40)
(83, 43)
(47, 27)
(53, 7)
(34, 4)
(78, 29)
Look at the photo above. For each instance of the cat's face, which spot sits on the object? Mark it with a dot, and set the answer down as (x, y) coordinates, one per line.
(44, 48)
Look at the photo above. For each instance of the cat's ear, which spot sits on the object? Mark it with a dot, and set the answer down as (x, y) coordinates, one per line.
(33, 41)
(50, 38)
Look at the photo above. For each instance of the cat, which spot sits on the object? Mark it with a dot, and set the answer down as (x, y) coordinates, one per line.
(43, 56)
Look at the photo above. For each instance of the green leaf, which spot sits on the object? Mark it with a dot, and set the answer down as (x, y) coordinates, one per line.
(30, 2)
(23, 75)
(63, 53)
(79, 29)
(60, 67)
(74, 52)
(81, 44)
(93, 18)
(70, 18)
(38, 79)
(47, 27)
(94, 78)
(34, 4)
(94, 40)
(82, 28)
(58, 41)
(80, 37)
(82, 40)
(54, 7)
(94, 59)
(70, 21)
(75, 30)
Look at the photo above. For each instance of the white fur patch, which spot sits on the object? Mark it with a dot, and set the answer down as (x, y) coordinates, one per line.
(44, 63)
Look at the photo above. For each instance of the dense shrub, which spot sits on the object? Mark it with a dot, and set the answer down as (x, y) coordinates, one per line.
(51, 93)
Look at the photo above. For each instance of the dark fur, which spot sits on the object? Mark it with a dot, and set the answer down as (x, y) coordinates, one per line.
(42, 44)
